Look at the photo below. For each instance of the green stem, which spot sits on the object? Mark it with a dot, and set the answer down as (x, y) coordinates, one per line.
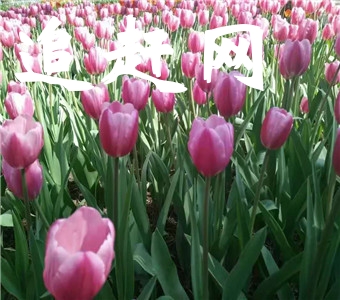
(290, 94)
(115, 191)
(191, 99)
(332, 182)
(26, 200)
(51, 102)
(41, 214)
(170, 139)
(206, 239)
(136, 167)
(258, 190)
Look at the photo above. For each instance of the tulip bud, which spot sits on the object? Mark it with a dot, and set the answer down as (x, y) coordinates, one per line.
(276, 128)
(229, 94)
(336, 151)
(199, 95)
(21, 141)
(164, 102)
(77, 267)
(94, 99)
(19, 104)
(33, 177)
(295, 58)
(337, 108)
(211, 144)
(118, 128)
(189, 62)
(330, 71)
(135, 91)
(95, 62)
(304, 107)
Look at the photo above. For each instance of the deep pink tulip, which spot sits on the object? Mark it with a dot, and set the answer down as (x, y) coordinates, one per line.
(202, 83)
(94, 99)
(7, 38)
(304, 107)
(196, 41)
(118, 128)
(330, 71)
(164, 102)
(33, 176)
(327, 32)
(308, 29)
(229, 94)
(164, 70)
(19, 104)
(276, 128)
(336, 151)
(337, 108)
(295, 58)
(187, 18)
(17, 87)
(173, 23)
(95, 62)
(215, 22)
(200, 97)
(203, 17)
(189, 62)
(21, 141)
(336, 46)
(77, 267)
(211, 144)
(135, 91)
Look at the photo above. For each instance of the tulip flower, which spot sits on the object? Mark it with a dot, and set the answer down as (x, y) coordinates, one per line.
(189, 62)
(118, 128)
(229, 94)
(135, 91)
(164, 102)
(337, 46)
(330, 71)
(33, 176)
(17, 87)
(1, 53)
(336, 151)
(21, 141)
(198, 94)
(203, 17)
(95, 62)
(276, 128)
(327, 32)
(196, 41)
(295, 58)
(94, 99)
(187, 18)
(211, 144)
(337, 108)
(164, 70)
(19, 104)
(79, 254)
(304, 107)
(202, 83)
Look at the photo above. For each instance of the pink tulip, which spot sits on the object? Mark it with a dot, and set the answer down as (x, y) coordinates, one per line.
(304, 107)
(164, 70)
(202, 83)
(33, 177)
(103, 30)
(1, 53)
(336, 151)
(19, 104)
(198, 94)
(164, 102)
(295, 58)
(118, 128)
(327, 32)
(94, 99)
(7, 39)
(196, 41)
(308, 29)
(276, 128)
(79, 254)
(173, 23)
(135, 91)
(203, 17)
(189, 62)
(280, 29)
(229, 94)
(215, 22)
(95, 62)
(330, 72)
(21, 141)
(297, 15)
(211, 144)
(187, 18)
(17, 87)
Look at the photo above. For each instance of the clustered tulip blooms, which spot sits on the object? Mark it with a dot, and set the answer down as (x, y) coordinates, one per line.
(79, 254)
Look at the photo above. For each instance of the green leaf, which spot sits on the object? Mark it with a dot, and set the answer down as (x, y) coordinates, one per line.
(148, 289)
(6, 219)
(9, 280)
(272, 284)
(165, 268)
(240, 273)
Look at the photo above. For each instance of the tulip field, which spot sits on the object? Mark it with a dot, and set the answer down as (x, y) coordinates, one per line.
(127, 173)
